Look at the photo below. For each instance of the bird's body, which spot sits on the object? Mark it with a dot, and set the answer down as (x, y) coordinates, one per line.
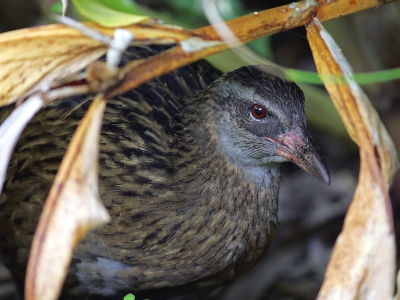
(190, 177)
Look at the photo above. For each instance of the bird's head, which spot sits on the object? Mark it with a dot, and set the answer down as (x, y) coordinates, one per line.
(260, 120)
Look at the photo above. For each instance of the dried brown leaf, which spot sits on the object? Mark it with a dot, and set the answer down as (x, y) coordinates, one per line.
(72, 209)
(34, 55)
(362, 264)
(11, 129)
(31, 59)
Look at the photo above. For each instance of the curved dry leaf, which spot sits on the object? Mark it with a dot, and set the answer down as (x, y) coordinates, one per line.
(11, 129)
(359, 116)
(72, 209)
(41, 54)
(362, 265)
(56, 51)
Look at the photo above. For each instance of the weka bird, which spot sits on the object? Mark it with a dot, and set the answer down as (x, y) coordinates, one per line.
(190, 175)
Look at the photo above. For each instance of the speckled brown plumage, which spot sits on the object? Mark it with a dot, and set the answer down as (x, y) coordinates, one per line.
(189, 176)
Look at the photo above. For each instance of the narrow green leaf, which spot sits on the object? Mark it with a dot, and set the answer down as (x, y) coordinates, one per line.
(97, 12)
(360, 78)
(377, 76)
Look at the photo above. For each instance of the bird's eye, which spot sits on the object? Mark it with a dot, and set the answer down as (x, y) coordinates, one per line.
(258, 111)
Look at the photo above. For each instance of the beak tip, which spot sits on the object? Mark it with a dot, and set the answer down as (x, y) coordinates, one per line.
(325, 177)
(318, 168)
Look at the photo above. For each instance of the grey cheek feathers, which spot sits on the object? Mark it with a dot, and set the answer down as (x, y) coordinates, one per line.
(253, 169)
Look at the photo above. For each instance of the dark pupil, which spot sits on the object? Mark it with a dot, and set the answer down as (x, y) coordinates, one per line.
(258, 110)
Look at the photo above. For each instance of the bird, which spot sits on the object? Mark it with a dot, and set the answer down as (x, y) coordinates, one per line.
(189, 171)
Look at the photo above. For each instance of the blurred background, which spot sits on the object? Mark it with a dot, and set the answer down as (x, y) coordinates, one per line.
(310, 213)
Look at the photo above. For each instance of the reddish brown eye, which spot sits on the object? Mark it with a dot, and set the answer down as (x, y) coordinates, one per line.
(258, 111)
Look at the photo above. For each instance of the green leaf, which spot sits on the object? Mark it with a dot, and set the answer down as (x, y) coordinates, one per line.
(129, 297)
(105, 16)
(127, 6)
(360, 78)
(56, 7)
